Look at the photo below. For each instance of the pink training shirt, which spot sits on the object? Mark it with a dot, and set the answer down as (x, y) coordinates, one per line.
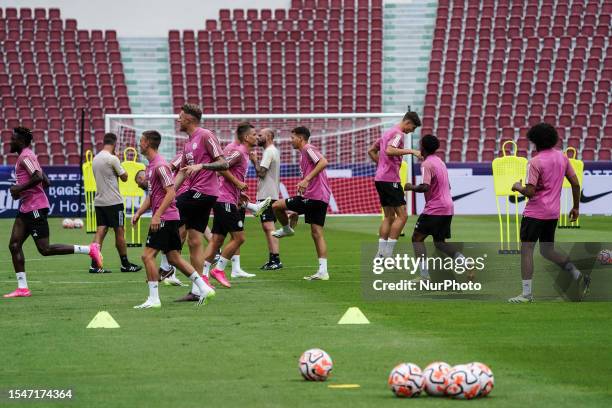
(318, 188)
(389, 166)
(237, 157)
(203, 147)
(438, 200)
(176, 164)
(546, 172)
(159, 177)
(33, 198)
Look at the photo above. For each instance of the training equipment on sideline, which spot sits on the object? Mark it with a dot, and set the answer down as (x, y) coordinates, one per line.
(343, 138)
(604, 257)
(507, 170)
(67, 223)
(435, 378)
(132, 196)
(89, 184)
(315, 365)
(566, 191)
(406, 380)
(77, 223)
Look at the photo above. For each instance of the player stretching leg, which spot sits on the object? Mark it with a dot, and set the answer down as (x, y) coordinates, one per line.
(312, 199)
(268, 187)
(163, 231)
(387, 152)
(32, 215)
(435, 220)
(545, 173)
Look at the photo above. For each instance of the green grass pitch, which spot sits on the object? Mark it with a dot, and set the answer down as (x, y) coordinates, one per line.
(241, 350)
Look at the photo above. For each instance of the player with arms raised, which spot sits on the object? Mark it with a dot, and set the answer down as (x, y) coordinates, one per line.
(312, 199)
(545, 174)
(387, 152)
(32, 214)
(164, 228)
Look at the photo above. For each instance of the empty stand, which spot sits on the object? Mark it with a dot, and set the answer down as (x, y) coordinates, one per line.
(49, 70)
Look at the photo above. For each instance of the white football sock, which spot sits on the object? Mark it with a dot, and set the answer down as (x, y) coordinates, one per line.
(222, 263)
(286, 228)
(424, 272)
(236, 263)
(22, 282)
(252, 207)
(206, 270)
(323, 265)
(199, 283)
(164, 263)
(81, 249)
(153, 290)
(526, 287)
(382, 246)
(571, 268)
(390, 246)
(459, 255)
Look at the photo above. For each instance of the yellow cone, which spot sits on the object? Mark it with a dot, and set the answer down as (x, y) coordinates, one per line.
(103, 320)
(353, 316)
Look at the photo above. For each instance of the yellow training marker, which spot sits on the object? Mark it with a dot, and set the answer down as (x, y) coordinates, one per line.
(103, 320)
(353, 316)
(344, 386)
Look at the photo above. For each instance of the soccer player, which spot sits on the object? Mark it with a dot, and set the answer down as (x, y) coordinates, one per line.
(545, 174)
(108, 202)
(164, 228)
(268, 185)
(312, 199)
(435, 220)
(194, 205)
(387, 152)
(229, 218)
(32, 215)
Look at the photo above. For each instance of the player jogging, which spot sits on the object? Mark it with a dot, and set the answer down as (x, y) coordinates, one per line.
(268, 185)
(387, 152)
(312, 198)
(202, 149)
(31, 217)
(435, 220)
(108, 202)
(164, 228)
(545, 174)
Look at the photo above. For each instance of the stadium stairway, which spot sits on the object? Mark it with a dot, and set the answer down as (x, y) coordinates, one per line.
(407, 40)
(147, 73)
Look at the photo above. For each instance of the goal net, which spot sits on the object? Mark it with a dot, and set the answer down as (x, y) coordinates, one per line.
(343, 139)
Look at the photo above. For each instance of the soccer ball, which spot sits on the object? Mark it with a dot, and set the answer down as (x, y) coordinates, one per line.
(78, 223)
(462, 383)
(604, 257)
(315, 365)
(406, 380)
(485, 375)
(68, 223)
(435, 378)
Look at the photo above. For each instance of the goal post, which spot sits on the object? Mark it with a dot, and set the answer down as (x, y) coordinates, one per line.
(343, 138)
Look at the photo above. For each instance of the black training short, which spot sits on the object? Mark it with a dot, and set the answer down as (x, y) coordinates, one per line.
(166, 238)
(438, 226)
(268, 214)
(228, 218)
(534, 230)
(36, 223)
(314, 210)
(390, 194)
(111, 216)
(194, 208)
